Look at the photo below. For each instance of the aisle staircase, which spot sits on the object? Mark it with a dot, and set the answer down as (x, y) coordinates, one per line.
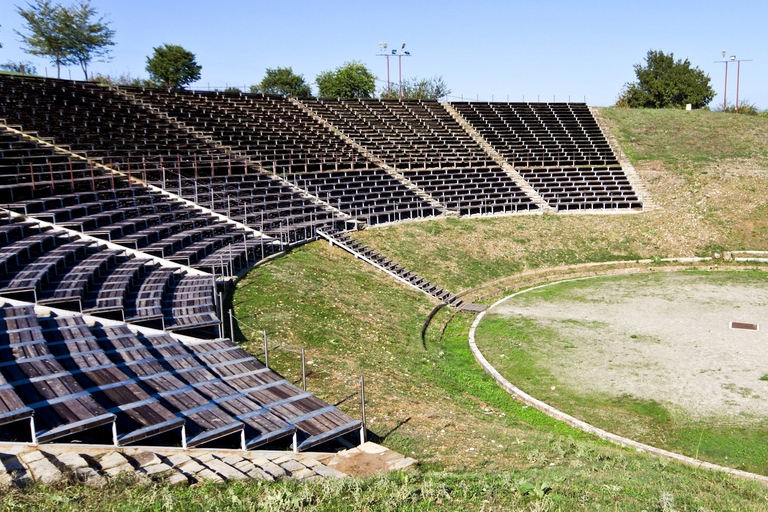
(392, 268)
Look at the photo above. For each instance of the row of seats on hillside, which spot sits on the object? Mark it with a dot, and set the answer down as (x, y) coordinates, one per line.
(404, 135)
(269, 131)
(66, 378)
(371, 195)
(577, 188)
(50, 266)
(530, 134)
(472, 191)
(73, 195)
(93, 119)
(257, 200)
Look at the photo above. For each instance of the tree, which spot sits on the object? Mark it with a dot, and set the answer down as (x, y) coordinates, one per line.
(351, 80)
(417, 89)
(664, 82)
(66, 35)
(85, 38)
(23, 68)
(283, 81)
(172, 66)
(46, 37)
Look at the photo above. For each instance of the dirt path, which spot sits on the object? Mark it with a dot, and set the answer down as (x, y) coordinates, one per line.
(661, 336)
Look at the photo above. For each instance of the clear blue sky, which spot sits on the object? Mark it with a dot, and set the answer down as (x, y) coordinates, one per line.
(486, 50)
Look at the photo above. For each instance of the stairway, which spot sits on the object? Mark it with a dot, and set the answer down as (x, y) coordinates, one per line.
(397, 271)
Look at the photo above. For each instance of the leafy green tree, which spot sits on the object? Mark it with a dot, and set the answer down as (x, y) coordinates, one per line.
(66, 35)
(86, 38)
(46, 35)
(664, 82)
(351, 80)
(283, 81)
(417, 89)
(122, 80)
(23, 68)
(172, 66)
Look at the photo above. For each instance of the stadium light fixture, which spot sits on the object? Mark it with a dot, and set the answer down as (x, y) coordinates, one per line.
(382, 49)
(400, 68)
(738, 79)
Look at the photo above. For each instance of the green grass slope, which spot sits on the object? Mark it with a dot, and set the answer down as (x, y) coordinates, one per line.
(479, 449)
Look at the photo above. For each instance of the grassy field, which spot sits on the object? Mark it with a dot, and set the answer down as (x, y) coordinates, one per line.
(538, 356)
(479, 449)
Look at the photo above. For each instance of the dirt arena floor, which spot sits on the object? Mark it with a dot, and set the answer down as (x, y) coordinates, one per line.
(660, 336)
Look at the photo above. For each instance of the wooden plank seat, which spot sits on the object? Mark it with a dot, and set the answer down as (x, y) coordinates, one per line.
(16, 253)
(60, 404)
(69, 292)
(191, 304)
(14, 231)
(195, 251)
(261, 426)
(232, 258)
(205, 420)
(138, 415)
(315, 420)
(12, 407)
(148, 303)
(32, 277)
(111, 294)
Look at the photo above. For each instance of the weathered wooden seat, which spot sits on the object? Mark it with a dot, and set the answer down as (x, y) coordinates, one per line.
(61, 405)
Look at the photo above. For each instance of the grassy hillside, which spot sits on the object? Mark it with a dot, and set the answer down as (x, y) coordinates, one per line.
(479, 448)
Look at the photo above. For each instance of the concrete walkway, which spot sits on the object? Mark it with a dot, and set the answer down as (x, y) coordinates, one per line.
(93, 465)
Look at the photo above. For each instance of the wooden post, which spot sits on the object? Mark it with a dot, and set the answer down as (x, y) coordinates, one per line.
(363, 437)
(303, 370)
(266, 348)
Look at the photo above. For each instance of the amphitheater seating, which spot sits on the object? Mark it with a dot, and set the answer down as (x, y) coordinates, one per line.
(77, 376)
(271, 131)
(582, 188)
(49, 266)
(540, 134)
(138, 415)
(371, 195)
(472, 191)
(61, 406)
(106, 202)
(405, 135)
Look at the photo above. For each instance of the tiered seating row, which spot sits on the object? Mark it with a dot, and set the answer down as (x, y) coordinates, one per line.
(80, 378)
(473, 191)
(49, 266)
(370, 195)
(583, 188)
(540, 134)
(271, 131)
(117, 210)
(107, 127)
(405, 135)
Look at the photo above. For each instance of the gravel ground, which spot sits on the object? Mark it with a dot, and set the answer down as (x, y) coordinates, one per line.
(660, 336)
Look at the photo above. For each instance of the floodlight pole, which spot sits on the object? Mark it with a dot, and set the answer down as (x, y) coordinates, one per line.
(725, 88)
(400, 54)
(738, 78)
(738, 75)
(383, 47)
